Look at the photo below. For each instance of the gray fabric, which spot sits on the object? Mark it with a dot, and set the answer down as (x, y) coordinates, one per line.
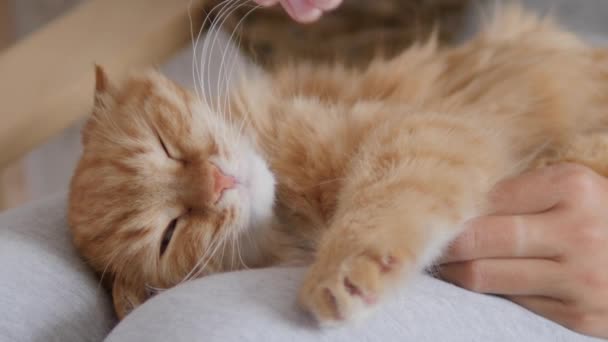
(46, 292)
(259, 305)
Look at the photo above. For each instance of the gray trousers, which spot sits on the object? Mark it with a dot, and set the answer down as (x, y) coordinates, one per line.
(47, 293)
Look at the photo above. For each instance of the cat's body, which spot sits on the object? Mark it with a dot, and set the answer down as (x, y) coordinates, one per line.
(366, 174)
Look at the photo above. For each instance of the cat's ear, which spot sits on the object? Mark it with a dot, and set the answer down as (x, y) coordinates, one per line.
(104, 90)
(104, 99)
(126, 297)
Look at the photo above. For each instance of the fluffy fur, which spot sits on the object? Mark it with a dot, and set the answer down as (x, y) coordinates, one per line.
(365, 174)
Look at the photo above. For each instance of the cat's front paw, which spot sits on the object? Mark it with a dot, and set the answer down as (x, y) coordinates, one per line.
(339, 291)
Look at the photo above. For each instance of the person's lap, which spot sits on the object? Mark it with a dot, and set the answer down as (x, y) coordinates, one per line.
(259, 305)
(48, 294)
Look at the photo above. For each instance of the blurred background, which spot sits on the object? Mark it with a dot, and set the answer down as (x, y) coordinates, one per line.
(48, 168)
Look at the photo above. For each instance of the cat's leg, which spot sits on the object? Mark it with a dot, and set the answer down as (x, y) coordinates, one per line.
(590, 150)
(407, 194)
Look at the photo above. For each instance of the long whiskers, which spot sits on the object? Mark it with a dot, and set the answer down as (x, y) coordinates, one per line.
(212, 35)
(225, 77)
(233, 6)
(238, 251)
(204, 260)
(196, 71)
(222, 82)
(202, 58)
(201, 64)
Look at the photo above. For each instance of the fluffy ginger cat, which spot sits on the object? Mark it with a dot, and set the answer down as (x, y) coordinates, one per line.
(364, 174)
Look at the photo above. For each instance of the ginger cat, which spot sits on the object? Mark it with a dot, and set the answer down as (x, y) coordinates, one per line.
(365, 174)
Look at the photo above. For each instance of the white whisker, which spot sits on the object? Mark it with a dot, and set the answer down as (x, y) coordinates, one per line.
(207, 50)
(196, 70)
(210, 39)
(219, 109)
(238, 249)
(223, 81)
(200, 266)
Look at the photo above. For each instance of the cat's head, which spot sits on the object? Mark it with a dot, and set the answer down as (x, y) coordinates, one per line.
(166, 188)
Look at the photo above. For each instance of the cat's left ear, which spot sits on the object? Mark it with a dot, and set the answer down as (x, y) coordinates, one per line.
(104, 90)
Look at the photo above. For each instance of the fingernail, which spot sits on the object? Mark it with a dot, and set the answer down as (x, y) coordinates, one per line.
(326, 5)
(267, 3)
(301, 10)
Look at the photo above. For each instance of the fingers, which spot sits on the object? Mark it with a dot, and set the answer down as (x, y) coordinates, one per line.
(304, 11)
(531, 192)
(266, 3)
(301, 10)
(326, 5)
(507, 276)
(542, 189)
(529, 236)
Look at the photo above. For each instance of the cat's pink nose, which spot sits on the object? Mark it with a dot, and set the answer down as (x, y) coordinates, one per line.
(221, 182)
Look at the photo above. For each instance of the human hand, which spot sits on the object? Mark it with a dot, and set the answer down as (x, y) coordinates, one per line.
(545, 247)
(304, 11)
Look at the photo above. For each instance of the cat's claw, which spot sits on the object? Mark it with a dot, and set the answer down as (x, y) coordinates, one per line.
(335, 293)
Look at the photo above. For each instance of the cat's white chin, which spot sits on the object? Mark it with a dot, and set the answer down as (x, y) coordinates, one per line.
(256, 196)
(259, 187)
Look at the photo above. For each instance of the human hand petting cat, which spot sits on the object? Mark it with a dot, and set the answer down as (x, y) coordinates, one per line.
(545, 247)
(304, 11)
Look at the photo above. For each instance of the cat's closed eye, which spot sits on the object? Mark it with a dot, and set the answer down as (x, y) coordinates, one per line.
(168, 153)
(167, 235)
(162, 143)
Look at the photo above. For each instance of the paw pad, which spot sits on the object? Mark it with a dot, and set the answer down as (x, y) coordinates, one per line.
(353, 290)
(386, 263)
(333, 303)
